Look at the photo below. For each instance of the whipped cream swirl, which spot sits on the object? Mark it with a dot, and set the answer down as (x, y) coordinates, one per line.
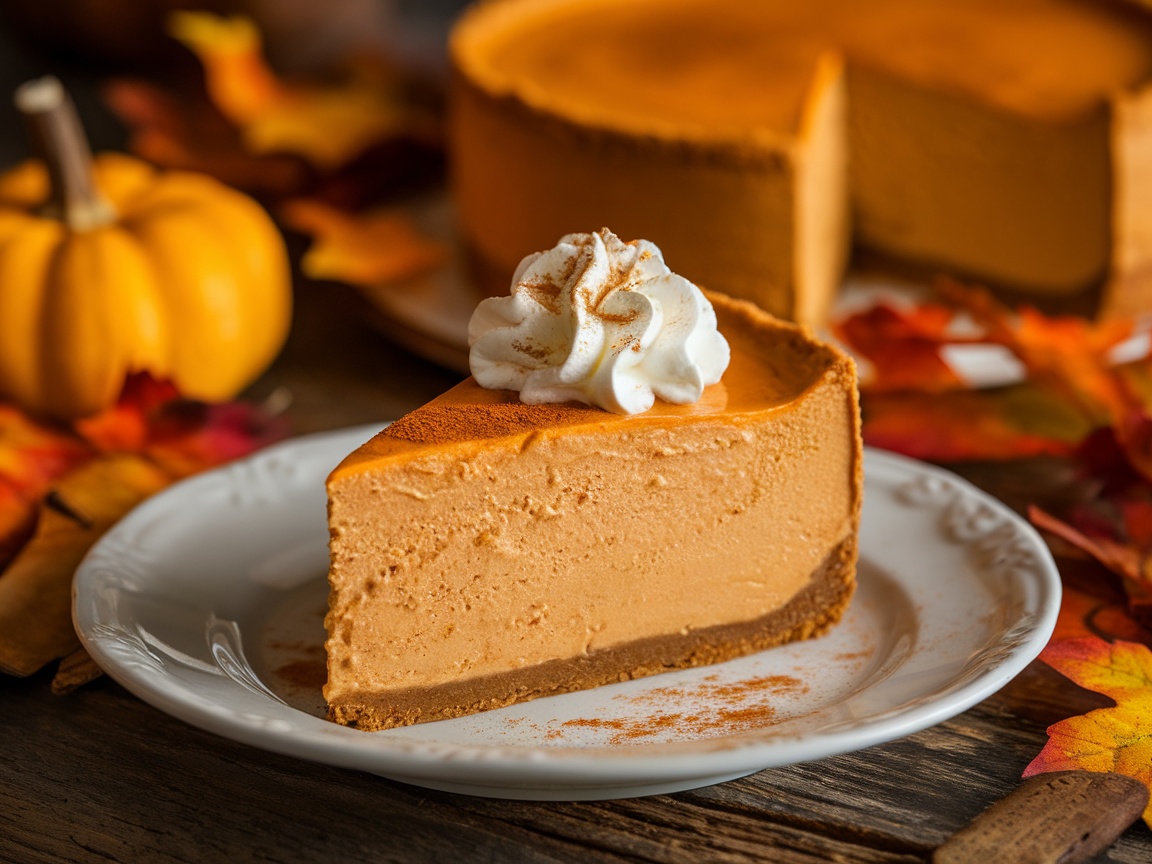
(599, 321)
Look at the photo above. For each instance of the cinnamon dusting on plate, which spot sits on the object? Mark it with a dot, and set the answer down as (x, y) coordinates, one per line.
(730, 708)
(304, 665)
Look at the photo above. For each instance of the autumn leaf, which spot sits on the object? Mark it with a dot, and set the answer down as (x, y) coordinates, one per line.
(1114, 739)
(1072, 357)
(369, 249)
(902, 347)
(1122, 558)
(1119, 542)
(1068, 352)
(182, 436)
(231, 52)
(1078, 402)
(35, 590)
(61, 487)
(186, 132)
(152, 419)
(32, 456)
(125, 425)
(32, 453)
(1107, 517)
(1085, 612)
(364, 131)
(1073, 350)
(1004, 423)
(915, 402)
(327, 125)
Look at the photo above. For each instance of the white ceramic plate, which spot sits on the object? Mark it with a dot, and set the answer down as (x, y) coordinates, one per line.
(207, 600)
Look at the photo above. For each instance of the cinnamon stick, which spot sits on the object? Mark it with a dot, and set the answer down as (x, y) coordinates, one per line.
(1063, 817)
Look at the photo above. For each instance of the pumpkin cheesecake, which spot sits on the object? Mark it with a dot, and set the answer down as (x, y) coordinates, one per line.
(693, 496)
(756, 142)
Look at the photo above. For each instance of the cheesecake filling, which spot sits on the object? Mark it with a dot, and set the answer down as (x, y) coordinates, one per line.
(598, 321)
(810, 613)
(558, 556)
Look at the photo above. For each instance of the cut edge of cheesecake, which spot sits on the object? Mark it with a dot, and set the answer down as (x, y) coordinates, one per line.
(829, 591)
(1128, 289)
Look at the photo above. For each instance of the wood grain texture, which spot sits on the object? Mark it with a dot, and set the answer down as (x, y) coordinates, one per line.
(99, 776)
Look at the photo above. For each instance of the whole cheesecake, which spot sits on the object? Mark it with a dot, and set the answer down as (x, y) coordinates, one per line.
(486, 551)
(756, 140)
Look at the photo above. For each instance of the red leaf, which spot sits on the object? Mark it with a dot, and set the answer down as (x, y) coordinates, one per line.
(1006, 423)
(1101, 540)
(902, 347)
(180, 435)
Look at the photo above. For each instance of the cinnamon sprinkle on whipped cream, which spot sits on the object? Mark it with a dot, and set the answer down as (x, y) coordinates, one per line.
(599, 321)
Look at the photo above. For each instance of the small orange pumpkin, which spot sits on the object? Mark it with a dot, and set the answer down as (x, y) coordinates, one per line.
(108, 267)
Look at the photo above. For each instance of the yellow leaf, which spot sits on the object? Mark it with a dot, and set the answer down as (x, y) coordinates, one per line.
(1116, 739)
(328, 126)
(36, 589)
(361, 249)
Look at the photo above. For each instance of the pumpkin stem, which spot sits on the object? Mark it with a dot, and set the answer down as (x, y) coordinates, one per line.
(59, 138)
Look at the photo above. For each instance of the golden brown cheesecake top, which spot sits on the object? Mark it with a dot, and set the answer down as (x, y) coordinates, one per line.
(700, 66)
(773, 364)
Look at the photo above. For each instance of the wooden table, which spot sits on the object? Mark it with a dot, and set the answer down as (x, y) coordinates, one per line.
(100, 776)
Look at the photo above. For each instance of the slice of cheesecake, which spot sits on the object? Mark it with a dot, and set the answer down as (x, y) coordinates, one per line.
(485, 552)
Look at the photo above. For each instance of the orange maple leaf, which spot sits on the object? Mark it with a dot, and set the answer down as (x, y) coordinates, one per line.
(1069, 353)
(32, 456)
(902, 347)
(329, 125)
(181, 436)
(1070, 371)
(35, 591)
(60, 487)
(1115, 739)
(150, 420)
(369, 249)
(32, 453)
(1004, 423)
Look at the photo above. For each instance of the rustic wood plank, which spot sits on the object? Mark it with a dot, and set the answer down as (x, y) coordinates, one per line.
(99, 776)
(913, 792)
(157, 790)
(680, 829)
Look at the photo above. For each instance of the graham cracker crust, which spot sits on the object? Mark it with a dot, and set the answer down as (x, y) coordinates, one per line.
(818, 606)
